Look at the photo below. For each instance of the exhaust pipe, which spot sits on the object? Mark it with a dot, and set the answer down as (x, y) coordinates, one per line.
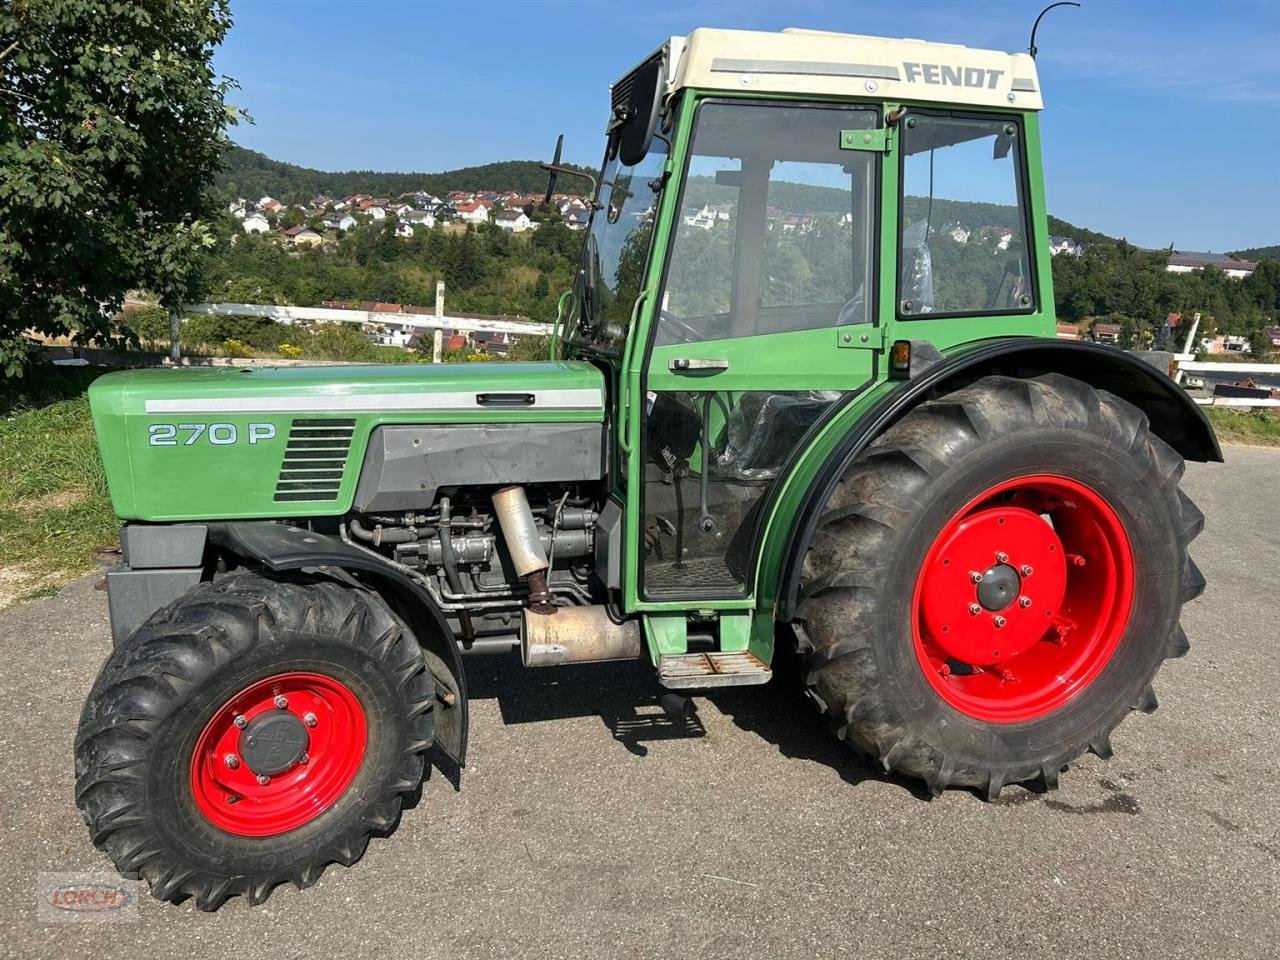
(576, 635)
(524, 544)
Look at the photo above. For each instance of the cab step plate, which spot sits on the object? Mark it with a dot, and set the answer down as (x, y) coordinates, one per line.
(711, 670)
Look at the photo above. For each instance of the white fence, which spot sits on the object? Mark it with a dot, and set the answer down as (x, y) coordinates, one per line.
(416, 321)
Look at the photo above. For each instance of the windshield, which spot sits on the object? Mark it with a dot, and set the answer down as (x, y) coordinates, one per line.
(616, 250)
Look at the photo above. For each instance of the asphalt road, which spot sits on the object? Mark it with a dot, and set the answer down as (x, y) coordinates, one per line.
(589, 826)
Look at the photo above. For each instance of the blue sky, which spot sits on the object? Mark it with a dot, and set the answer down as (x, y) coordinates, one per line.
(1162, 120)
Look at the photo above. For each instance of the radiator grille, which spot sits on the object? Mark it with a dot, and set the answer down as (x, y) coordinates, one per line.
(314, 460)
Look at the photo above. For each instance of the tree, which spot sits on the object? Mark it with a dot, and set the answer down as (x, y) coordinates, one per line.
(112, 125)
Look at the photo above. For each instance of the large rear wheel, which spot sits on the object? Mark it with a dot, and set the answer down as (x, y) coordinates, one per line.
(996, 581)
(250, 734)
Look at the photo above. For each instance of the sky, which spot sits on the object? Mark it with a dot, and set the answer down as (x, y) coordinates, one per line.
(1161, 120)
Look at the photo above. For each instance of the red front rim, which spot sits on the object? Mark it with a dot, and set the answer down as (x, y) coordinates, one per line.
(1023, 598)
(278, 754)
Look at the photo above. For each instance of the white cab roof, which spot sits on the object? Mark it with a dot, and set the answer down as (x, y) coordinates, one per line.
(850, 65)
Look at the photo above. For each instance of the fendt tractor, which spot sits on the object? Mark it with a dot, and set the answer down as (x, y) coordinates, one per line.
(805, 398)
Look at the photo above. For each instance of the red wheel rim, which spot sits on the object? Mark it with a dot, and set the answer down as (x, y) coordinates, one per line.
(318, 712)
(1023, 598)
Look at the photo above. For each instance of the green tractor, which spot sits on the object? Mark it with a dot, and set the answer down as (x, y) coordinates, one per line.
(805, 397)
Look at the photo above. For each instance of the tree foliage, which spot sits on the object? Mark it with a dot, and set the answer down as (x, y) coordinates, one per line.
(249, 174)
(112, 125)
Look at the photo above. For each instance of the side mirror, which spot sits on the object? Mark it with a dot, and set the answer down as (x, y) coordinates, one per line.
(552, 170)
(637, 104)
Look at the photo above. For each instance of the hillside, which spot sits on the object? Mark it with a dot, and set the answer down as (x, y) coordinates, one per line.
(1258, 253)
(247, 173)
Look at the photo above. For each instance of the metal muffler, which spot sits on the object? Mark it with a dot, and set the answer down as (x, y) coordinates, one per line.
(576, 635)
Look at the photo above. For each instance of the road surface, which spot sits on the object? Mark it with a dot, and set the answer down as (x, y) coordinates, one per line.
(589, 825)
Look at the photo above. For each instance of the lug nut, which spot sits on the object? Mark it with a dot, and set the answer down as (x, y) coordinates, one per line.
(231, 760)
(975, 609)
(241, 721)
(263, 779)
(975, 576)
(1024, 602)
(1002, 557)
(998, 621)
(1026, 570)
(309, 719)
(281, 702)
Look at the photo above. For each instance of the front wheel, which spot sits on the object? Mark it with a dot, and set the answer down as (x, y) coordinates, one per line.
(996, 581)
(251, 733)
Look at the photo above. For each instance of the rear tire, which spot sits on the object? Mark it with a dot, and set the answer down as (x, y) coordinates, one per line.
(173, 792)
(900, 650)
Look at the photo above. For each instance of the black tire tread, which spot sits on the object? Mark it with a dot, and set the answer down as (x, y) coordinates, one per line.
(148, 677)
(844, 564)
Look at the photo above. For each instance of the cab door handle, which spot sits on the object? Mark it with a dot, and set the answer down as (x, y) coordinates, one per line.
(696, 365)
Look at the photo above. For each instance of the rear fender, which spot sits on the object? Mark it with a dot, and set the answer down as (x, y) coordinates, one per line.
(1175, 418)
(281, 548)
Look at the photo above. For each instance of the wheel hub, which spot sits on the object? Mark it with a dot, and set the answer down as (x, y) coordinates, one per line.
(273, 742)
(965, 568)
(999, 587)
(278, 754)
(1023, 598)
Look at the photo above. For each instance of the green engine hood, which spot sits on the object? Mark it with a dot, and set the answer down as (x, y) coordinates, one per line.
(210, 443)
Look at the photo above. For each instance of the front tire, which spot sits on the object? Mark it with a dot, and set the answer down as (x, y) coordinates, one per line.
(995, 582)
(250, 734)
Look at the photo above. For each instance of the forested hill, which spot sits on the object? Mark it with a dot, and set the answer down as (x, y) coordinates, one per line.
(1258, 253)
(247, 173)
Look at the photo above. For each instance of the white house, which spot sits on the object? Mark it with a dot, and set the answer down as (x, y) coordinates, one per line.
(1065, 245)
(515, 220)
(256, 223)
(474, 211)
(404, 228)
(338, 221)
(1188, 261)
(419, 218)
(375, 211)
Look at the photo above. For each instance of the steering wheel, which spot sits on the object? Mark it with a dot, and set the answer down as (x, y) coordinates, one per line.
(692, 336)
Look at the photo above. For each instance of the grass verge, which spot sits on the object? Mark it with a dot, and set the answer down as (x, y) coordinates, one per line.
(1260, 428)
(54, 510)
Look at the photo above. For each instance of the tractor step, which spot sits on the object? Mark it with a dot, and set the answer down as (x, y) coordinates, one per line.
(714, 669)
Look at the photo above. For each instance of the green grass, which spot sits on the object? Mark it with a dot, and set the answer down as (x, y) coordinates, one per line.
(54, 510)
(1257, 427)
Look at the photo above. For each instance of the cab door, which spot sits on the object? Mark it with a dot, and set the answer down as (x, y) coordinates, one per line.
(764, 323)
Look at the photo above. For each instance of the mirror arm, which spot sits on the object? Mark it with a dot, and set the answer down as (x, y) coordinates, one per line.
(569, 171)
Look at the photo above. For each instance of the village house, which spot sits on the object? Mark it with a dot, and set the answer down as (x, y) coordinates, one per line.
(256, 223)
(419, 218)
(270, 205)
(577, 218)
(338, 221)
(1189, 261)
(473, 211)
(1065, 245)
(302, 236)
(404, 229)
(514, 220)
(1106, 332)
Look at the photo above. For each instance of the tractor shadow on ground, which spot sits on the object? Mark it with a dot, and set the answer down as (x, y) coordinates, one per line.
(625, 697)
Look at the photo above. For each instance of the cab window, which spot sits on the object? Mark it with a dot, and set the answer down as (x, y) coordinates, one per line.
(963, 241)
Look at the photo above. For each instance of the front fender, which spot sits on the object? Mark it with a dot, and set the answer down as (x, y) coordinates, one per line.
(280, 548)
(1175, 418)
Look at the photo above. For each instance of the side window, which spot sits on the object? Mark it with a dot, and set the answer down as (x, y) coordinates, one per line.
(775, 228)
(963, 246)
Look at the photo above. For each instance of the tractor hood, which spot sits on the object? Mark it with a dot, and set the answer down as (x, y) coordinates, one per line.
(218, 443)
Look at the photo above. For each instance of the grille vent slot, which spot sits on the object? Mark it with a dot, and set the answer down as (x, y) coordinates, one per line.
(315, 458)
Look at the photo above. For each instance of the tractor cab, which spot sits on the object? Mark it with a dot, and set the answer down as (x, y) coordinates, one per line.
(773, 211)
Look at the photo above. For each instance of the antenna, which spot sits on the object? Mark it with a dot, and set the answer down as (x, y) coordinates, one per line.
(1036, 26)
